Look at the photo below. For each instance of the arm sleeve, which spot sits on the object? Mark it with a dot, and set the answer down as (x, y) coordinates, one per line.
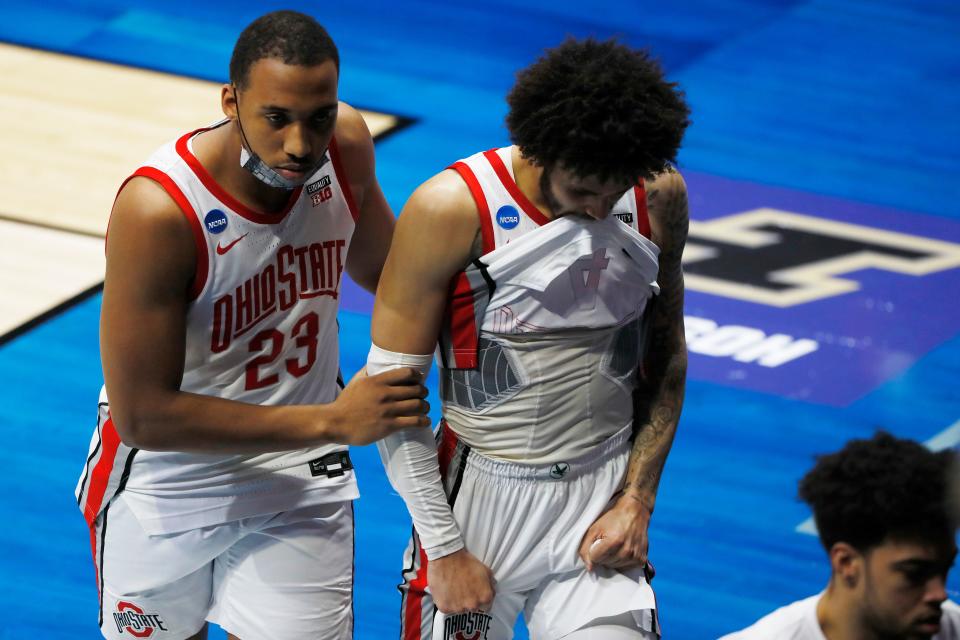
(410, 459)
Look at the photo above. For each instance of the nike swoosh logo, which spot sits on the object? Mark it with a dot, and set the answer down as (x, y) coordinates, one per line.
(223, 250)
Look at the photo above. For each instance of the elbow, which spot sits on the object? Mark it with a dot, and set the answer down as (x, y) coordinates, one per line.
(131, 431)
(135, 429)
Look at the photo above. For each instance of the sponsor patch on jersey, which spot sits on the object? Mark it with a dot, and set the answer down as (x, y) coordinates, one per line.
(624, 216)
(811, 297)
(215, 221)
(133, 620)
(473, 625)
(320, 191)
(315, 186)
(508, 217)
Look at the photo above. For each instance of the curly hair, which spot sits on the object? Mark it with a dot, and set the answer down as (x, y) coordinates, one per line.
(292, 37)
(878, 489)
(599, 109)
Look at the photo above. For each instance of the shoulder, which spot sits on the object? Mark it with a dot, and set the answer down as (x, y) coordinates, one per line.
(442, 215)
(145, 202)
(147, 221)
(443, 199)
(351, 129)
(795, 621)
(353, 140)
(668, 181)
(667, 209)
(666, 191)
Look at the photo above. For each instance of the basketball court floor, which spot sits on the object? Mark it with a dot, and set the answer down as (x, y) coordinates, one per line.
(823, 266)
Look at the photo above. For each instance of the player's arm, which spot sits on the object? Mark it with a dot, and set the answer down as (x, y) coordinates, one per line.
(619, 537)
(374, 230)
(150, 265)
(434, 239)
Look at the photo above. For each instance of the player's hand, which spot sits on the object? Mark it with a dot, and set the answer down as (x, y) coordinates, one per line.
(460, 583)
(373, 407)
(618, 539)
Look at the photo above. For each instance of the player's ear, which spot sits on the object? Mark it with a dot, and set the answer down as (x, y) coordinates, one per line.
(847, 564)
(228, 100)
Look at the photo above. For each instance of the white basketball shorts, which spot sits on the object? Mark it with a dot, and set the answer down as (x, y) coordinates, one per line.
(282, 576)
(526, 523)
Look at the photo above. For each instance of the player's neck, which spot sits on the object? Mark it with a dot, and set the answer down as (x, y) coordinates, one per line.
(834, 615)
(218, 151)
(527, 176)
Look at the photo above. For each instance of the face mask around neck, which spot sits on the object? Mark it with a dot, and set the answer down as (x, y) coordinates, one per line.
(252, 163)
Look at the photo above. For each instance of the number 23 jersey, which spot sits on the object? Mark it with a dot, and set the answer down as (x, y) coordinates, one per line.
(261, 328)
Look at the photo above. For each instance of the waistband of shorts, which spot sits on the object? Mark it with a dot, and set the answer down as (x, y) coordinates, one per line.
(567, 469)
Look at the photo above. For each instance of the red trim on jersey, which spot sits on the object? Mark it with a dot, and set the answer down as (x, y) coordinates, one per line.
(342, 179)
(643, 218)
(483, 209)
(199, 240)
(183, 149)
(448, 446)
(100, 478)
(511, 186)
(462, 320)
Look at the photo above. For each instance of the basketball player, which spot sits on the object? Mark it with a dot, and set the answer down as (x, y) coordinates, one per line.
(881, 511)
(218, 485)
(537, 266)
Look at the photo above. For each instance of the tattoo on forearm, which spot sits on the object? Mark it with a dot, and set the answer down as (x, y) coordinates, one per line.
(660, 399)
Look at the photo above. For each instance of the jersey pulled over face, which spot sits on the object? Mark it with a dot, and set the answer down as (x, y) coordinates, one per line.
(570, 194)
(539, 360)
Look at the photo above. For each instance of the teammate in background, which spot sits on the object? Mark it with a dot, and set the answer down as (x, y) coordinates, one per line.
(880, 506)
(540, 503)
(218, 485)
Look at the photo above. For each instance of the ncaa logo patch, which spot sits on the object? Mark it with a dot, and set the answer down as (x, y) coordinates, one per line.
(508, 217)
(215, 221)
(131, 619)
(473, 625)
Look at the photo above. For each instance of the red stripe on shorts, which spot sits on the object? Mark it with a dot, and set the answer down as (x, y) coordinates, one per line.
(110, 441)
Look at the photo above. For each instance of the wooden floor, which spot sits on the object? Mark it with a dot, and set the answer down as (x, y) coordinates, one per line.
(835, 119)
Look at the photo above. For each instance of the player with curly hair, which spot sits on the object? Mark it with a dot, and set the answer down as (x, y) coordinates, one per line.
(536, 267)
(882, 511)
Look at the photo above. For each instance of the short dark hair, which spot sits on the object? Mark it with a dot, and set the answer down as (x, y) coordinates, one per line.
(880, 489)
(599, 109)
(289, 36)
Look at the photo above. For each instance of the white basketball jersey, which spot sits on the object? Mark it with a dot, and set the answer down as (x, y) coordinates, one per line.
(261, 329)
(798, 621)
(544, 331)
